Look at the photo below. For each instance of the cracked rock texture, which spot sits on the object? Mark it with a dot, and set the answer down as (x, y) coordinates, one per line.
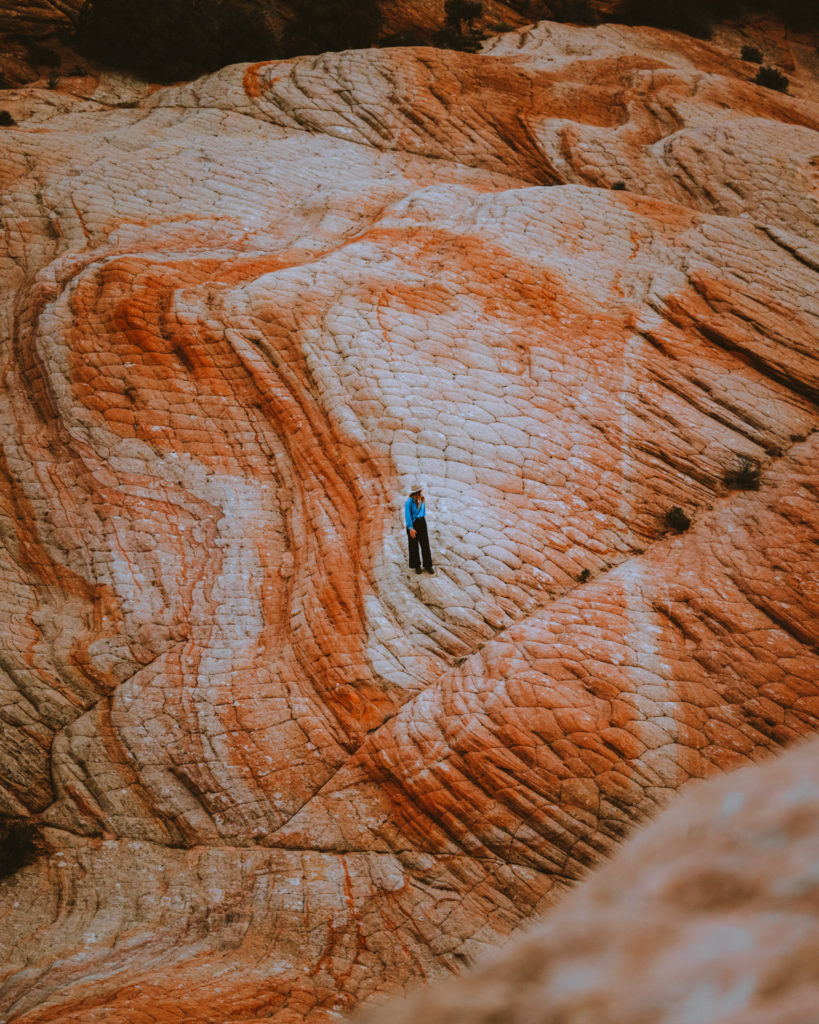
(278, 775)
(709, 915)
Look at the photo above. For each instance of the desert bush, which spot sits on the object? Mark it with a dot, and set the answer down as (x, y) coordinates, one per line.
(618, 186)
(745, 477)
(20, 844)
(752, 54)
(676, 519)
(164, 40)
(6, 120)
(460, 13)
(772, 78)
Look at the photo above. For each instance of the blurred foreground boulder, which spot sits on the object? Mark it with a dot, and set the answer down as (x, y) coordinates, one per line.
(710, 915)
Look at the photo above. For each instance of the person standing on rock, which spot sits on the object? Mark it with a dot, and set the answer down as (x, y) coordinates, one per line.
(415, 517)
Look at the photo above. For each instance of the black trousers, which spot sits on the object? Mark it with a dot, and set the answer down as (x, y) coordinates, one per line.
(421, 538)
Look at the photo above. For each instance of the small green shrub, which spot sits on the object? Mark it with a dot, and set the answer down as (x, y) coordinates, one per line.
(618, 186)
(772, 78)
(6, 120)
(676, 519)
(20, 844)
(584, 576)
(459, 32)
(752, 54)
(745, 477)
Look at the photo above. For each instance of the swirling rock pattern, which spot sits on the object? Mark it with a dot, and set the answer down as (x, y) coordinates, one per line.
(710, 914)
(278, 774)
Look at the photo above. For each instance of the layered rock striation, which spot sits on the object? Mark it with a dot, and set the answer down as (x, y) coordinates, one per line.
(708, 915)
(570, 282)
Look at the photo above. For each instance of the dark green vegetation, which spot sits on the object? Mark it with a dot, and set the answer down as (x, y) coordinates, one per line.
(752, 54)
(6, 120)
(459, 31)
(676, 519)
(20, 844)
(772, 78)
(745, 477)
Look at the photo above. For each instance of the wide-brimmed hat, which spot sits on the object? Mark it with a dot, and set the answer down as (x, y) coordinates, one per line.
(415, 488)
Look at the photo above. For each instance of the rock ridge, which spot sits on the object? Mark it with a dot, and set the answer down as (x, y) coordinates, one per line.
(279, 777)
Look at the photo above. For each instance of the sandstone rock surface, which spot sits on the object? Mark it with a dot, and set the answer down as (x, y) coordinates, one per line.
(709, 915)
(279, 775)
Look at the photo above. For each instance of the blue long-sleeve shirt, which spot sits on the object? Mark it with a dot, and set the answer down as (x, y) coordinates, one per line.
(413, 512)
